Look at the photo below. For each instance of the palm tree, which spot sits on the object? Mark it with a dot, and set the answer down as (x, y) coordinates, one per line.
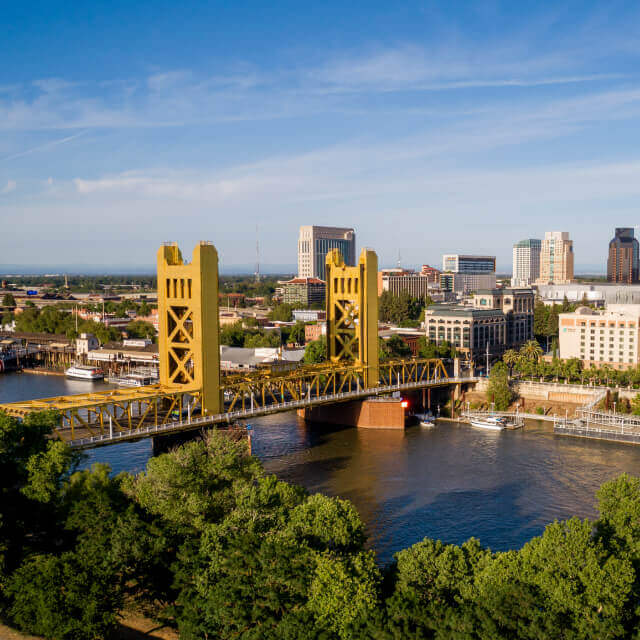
(510, 358)
(531, 350)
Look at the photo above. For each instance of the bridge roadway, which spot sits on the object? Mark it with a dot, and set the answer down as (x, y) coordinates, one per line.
(192, 423)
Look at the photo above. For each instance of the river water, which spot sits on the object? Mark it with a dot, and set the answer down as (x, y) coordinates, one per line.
(449, 482)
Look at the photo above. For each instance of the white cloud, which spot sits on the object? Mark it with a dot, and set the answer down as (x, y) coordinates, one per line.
(9, 187)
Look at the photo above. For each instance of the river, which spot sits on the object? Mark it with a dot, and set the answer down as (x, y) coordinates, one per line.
(449, 482)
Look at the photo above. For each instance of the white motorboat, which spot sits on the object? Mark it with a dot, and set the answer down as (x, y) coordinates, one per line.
(425, 419)
(84, 372)
(492, 423)
(136, 380)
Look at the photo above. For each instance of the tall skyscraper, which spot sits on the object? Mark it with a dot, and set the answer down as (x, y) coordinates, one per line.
(623, 263)
(526, 262)
(556, 258)
(315, 242)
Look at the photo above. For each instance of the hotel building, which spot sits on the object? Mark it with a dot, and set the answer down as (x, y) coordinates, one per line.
(601, 337)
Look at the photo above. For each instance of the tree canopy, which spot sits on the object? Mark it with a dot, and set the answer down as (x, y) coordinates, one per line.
(217, 548)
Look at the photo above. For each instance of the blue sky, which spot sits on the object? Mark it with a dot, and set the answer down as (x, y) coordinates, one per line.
(430, 127)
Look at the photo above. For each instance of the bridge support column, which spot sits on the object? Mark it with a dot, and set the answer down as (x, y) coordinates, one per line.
(383, 413)
(188, 322)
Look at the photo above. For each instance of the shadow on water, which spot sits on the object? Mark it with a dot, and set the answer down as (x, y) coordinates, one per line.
(494, 516)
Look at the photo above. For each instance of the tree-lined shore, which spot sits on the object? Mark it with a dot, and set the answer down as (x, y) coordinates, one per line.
(206, 542)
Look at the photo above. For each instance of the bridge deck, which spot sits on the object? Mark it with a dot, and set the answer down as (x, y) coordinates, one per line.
(194, 423)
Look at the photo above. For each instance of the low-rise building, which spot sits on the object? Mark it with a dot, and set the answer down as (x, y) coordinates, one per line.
(415, 284)
(601, 337)
(308, 315)
(314, 331)
(466, 282)
(499, 319)
(235, 358)
(303, 291)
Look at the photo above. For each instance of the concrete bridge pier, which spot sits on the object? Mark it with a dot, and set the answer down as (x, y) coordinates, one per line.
(372, 413)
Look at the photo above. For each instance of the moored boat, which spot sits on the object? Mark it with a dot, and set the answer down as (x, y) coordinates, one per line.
(136, 380)
(425, 419)
(84, 372)
(492, 423)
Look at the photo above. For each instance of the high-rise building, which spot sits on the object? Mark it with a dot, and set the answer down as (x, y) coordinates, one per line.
(463, 274)
(556, 258)
(526, 262)
(457, 263)
(315, 242)
(623, 263)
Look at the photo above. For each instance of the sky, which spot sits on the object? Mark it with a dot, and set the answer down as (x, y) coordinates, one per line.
(429, 127)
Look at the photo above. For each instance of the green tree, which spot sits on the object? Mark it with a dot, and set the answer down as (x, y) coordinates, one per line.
(297, 334)
(282, 312)
(531, 350)
(141, 329)
(316, 351)
(511, 358)
(401, 310)
(499, 390)
(397, 347)
(232, 335)
(9, 301)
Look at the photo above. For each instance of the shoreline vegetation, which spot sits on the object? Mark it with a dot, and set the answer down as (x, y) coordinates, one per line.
(205, 542)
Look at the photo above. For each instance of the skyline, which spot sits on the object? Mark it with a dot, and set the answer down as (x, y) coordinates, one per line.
(428, 131)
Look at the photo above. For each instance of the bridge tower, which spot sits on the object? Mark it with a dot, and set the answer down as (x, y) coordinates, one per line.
(352, 312)
(188, 322)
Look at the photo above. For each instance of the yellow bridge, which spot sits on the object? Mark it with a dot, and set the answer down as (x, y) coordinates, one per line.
(192, 394)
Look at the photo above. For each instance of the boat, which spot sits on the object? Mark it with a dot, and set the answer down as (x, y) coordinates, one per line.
(84, 372)
(425, 419)
(136, 380)
(493, 423)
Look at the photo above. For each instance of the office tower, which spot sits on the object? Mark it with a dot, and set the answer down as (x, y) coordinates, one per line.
(526, 262)
(315, 242)
(457, 263)
(462, 274)
(622, 265)
(556, 258)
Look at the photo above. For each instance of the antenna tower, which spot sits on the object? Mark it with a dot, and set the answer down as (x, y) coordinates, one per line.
(257, 272)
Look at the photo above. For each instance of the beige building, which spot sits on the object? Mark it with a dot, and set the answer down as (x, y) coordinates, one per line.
(315, 242)
(556, 258)
(601, 337)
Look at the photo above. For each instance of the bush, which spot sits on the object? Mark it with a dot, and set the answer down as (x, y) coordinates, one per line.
(540, 411)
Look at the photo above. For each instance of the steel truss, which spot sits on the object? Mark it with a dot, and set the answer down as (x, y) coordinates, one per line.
(128, 410)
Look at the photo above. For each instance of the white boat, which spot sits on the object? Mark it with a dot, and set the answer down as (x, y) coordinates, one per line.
(136, 380)
(493, 423)
(84, 372)
(425, 419)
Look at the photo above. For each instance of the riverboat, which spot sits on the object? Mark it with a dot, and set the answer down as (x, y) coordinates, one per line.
(492, 423)
(84, 372)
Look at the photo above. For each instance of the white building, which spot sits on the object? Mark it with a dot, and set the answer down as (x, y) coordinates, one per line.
(601, 337)
(526, 262)
(315, 242)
